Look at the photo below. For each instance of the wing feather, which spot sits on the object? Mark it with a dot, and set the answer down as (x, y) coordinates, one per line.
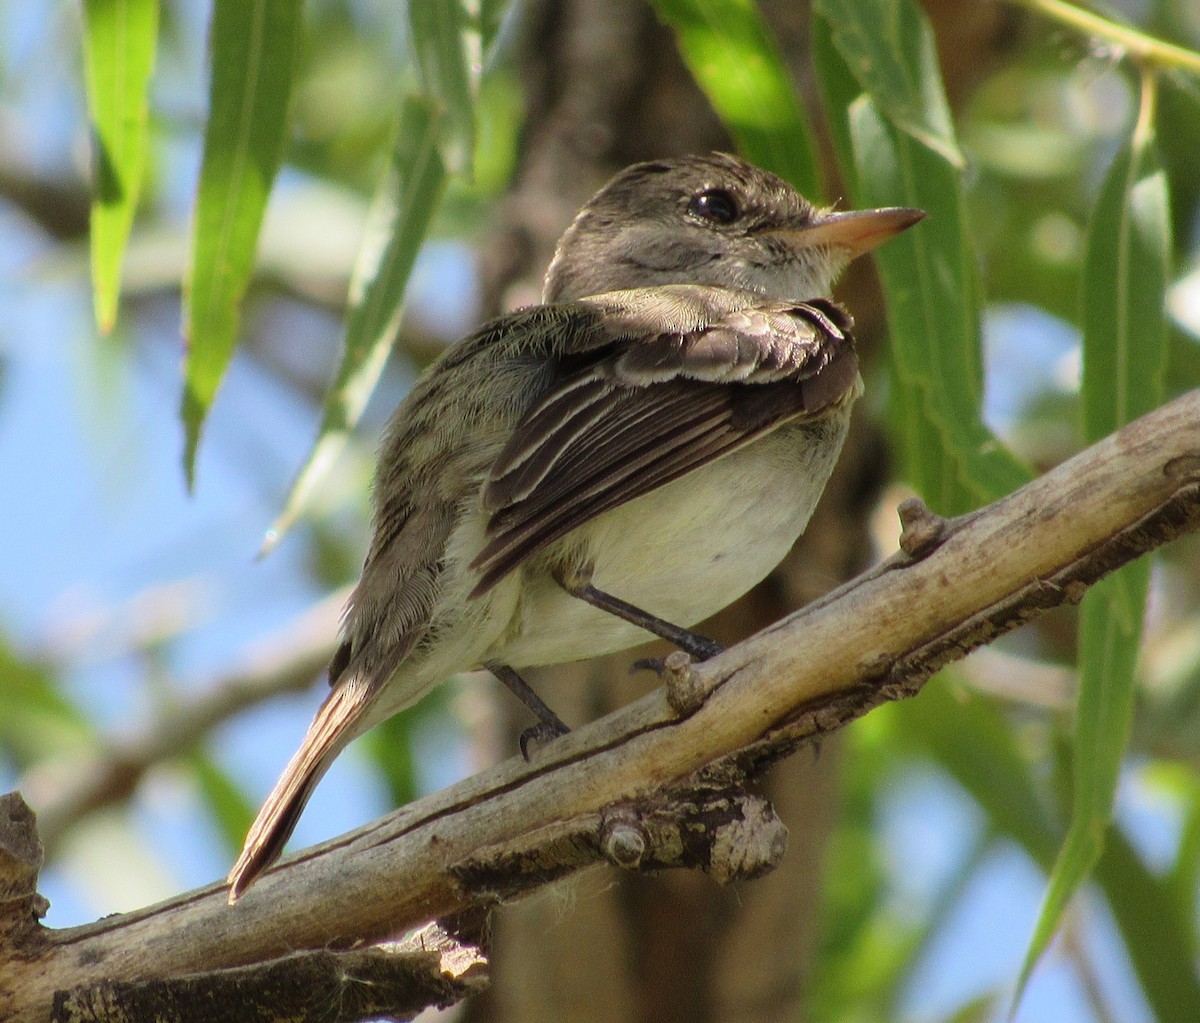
(660, 401)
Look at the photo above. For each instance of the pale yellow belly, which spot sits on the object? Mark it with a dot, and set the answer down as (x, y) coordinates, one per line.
(681, 552)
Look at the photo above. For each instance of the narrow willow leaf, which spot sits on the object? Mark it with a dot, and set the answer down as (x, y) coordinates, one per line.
(400, 218)
(945, 450)
(1157, 928)
(933, 306)
(391, 746)
(230, 807)
(253, 64)
(491, 16)
(37, 716)
(1126, 273)
(439, 30)
(1185, 872)
(119, 43)
(838, 89)
(732, 55)
(889, 47)
(968, 736)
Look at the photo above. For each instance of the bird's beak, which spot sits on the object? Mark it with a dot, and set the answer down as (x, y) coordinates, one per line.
(853, 231)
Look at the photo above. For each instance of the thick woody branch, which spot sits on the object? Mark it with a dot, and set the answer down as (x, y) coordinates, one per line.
(596, 792)
(392, 981)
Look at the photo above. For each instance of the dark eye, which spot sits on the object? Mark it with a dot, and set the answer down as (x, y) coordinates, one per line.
(715, 206)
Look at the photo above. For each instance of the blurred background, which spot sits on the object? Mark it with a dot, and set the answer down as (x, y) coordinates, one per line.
(155, 674)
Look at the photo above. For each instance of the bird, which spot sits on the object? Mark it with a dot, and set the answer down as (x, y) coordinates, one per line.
(622, 460)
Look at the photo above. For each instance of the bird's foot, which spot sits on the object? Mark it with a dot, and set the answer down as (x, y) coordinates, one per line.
(540, 734)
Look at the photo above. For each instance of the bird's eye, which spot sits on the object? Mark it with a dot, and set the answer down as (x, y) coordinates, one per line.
(716, 206)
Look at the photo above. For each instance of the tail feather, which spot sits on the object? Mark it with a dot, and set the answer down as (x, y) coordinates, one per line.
(340, 719)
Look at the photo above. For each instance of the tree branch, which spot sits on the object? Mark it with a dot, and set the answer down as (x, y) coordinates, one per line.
(392, 981)
(961, 584)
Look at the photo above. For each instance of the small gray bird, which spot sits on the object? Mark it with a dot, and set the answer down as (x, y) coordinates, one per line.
(625, 459)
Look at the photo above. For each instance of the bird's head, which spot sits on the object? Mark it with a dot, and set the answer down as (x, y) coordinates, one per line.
(715, 220)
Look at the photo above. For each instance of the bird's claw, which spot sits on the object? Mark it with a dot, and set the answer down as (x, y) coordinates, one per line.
(539, 735)
(658, 665)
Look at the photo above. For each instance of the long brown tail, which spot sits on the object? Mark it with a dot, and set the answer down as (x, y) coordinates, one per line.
(341, 718)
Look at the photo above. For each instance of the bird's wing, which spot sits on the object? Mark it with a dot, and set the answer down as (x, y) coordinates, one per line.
(688, 375)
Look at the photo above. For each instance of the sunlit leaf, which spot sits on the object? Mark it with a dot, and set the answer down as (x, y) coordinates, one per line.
(732, 55)
(1185, 873)
(889, 48)
(439, 42)
(400, 218)
(1157, 928)
(253, 45)
(118, 44)
(390, 745)
(932, 287)
(232, 810)
(491, 15)
(36, 718)
(1126, 272)
(969, 737)
(838, 88)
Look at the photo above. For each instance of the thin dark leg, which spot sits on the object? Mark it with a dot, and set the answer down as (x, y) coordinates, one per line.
(551, 727)
(699, 647)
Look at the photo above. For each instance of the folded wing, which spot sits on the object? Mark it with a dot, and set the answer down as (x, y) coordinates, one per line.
(689, 376)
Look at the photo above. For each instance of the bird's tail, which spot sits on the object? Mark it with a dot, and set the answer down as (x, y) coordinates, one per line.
(342, 717)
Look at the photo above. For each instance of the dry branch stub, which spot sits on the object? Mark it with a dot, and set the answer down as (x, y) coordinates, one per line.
(20, 863)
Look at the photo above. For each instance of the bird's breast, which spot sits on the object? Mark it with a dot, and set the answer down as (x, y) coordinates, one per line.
(681, 552)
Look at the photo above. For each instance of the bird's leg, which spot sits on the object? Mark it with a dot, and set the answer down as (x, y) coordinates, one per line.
(551, 725)
(579, 585)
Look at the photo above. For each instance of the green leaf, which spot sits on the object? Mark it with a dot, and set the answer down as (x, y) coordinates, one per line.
(118, 46)
(37, 718)
(232, 810)
(1156, 927)
(732, 55)
(438, 33)
(491, 15)
(390, 744)
(969, 737)
(1126, 273)
(838, 88)
(1185, 873)
(933, 309)
(253, 65)
(932, 290)
(889, 47)
(399, 221)
(1178, 131)
(1183, 363)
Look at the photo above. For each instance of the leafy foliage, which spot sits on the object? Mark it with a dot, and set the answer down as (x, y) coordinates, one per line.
(119, 45)
(1054, 197)
(253, 62)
